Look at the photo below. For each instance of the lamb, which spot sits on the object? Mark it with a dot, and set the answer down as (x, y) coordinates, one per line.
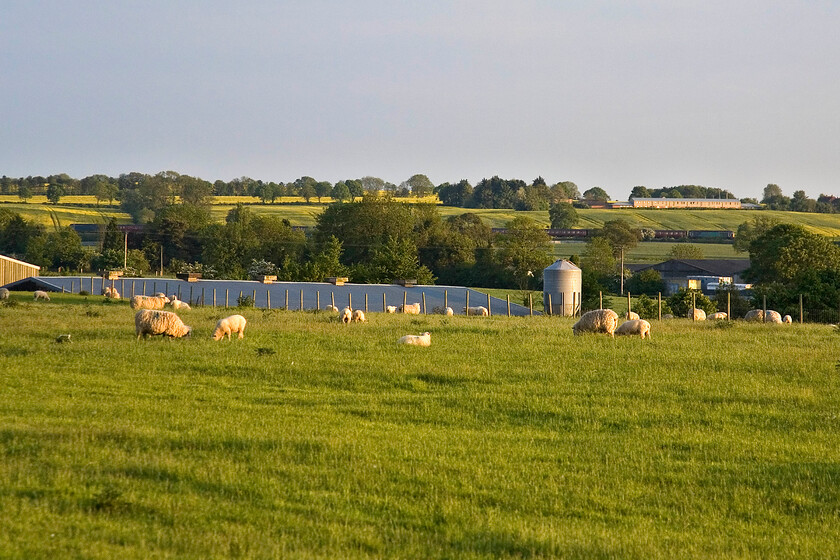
(178, 304)
(228, 325)
(148, 302)
(696, 314)
(479, 310)
(331, 308)
(41, 294)
(410, 308)
(358, 316)
(4, 293)
(597, 321)
(717, 316)
(634, 327)
(449, 312)
(424, 339)
(346, 315)
(390, 309)
(632, 316)
(154, 322)
(111, 293)
(787, 319)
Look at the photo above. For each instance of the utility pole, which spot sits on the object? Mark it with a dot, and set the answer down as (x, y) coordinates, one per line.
(621, 271)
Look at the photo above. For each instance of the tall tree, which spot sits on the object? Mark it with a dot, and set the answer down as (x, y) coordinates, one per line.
(563, 215)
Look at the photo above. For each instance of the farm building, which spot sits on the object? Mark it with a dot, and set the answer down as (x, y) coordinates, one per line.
(12, 270)
(698, 274)
(690, 203)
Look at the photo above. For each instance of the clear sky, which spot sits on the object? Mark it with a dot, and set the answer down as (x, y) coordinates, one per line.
(731, 94)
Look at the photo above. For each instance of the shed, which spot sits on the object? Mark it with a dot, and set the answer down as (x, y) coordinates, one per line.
(12, 270)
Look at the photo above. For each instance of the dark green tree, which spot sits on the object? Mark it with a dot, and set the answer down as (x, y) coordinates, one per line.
(563, 215)
(596, 193)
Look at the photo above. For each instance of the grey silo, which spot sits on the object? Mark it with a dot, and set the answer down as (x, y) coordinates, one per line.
(562, 282)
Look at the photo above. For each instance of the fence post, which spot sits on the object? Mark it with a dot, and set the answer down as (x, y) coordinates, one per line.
(405, 300)
(508, 304)
(132, 287)
(489, 307)
(190, 301)
(301, 300)
(318, 300)
(226, 298)
(628, 304)
(102, 289)
(467, 307)
(423, 295)
(530, 305)
(728, 305)
(366, 299)
(154, 288)
(550, 308)
(800, 309)
(202, 297)
(600, 300)
(445, 299)
(239, 300)
(332, 299)
(384, 303)
(764, 308)
(214, 298)
(179, 291)
(693, 306)
(350, 300)
(286, 307)
(267, 299)
(660, 305)
(144, 286)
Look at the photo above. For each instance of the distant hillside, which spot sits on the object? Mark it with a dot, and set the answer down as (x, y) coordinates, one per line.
(81, 210)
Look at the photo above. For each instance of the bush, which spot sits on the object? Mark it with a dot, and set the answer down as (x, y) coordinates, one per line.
(680, 302)
(648, 308)
(244, 301)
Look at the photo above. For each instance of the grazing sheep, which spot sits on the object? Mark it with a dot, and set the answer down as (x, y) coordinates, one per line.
(358, 316)
(759, 316)
(631, 316)
(634, 327)
(4, 293)
(154, 322)
(424, 339)
(178, 304)
(479, 310)
(228, 325)
(111, 293)
(410, 308)
(696, 314)
(717, 316)
(331, 308)
(62, 338)
(787, 319)
(346, 315)
(148, 302)
(597, 321)
(41, 294)
(391, 309)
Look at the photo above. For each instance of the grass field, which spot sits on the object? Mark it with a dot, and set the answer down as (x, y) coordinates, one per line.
(508, 438)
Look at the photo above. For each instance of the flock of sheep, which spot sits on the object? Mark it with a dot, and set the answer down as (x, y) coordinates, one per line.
(151, 319)
(606, 321)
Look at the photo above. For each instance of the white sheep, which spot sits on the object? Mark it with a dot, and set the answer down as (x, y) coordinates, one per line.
(597, 321)
(410, 308)
(631, 315)
(696, 314)
(787, 319)
(720, 315)
(41, 294)
(390, 309)
(177, 303)
(228, 325)
(358, 316)
(111, 293)
(759, 316)
(154, 322)
(148, 302)
(634, 327)
(4, 293)
(331, 308)
(449, 312)
(346, 315)
(424, 339)
(478, 310)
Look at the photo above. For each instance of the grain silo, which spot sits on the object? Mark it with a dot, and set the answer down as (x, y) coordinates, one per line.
(562, 288)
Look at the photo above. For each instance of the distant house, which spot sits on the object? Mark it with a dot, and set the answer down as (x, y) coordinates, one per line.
(699, 274)
(12, 270)
(690, 203)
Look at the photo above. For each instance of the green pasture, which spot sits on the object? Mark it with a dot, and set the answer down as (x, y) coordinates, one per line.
(507, 438)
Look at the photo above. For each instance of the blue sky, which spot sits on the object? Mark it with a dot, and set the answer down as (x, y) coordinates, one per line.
(612, 94)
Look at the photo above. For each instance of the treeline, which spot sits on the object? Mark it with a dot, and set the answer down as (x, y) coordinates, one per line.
(375, 239)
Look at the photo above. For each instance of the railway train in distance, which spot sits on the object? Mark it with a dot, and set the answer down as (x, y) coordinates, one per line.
(718, 235)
